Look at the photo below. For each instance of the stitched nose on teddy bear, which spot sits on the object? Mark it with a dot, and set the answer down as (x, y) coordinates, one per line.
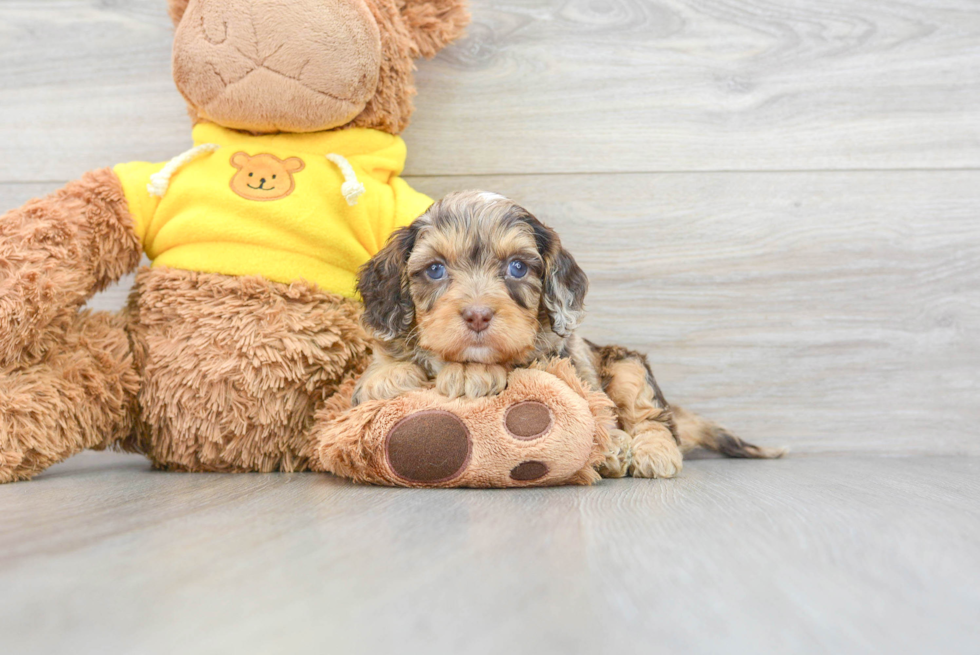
(289, 66)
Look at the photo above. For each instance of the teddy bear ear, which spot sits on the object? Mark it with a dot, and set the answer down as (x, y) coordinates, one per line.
(176, 8)
(434, 24)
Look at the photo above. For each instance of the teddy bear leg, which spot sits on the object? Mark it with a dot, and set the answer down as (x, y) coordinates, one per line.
(80, 394)
(235, 368)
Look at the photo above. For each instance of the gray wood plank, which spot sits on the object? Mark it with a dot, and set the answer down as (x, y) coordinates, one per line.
(652, 85)
(825, 311)
(553, 86)
(805, 555)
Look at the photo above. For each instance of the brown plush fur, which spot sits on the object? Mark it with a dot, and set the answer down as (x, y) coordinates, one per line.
(353, 442)
(176, 9)
(80, 394)
(55, 254)
(234, 368)
(447, 305)
(434, 24)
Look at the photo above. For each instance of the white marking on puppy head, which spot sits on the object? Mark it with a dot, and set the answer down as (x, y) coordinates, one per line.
(490, 197)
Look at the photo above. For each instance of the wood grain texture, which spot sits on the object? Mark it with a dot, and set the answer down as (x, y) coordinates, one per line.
(553, 86)
(806, 555)
(828, 312)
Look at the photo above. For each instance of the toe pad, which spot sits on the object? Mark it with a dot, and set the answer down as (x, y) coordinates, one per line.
(528, 471)
(528, 420)
(428, 447)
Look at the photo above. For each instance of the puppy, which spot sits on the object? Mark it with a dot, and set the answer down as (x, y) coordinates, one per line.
(477, 286)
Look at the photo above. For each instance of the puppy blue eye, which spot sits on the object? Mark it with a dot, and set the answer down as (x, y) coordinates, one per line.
(436, 271)
(517, 268)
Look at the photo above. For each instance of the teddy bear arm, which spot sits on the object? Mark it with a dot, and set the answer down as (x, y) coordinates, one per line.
(56, 253)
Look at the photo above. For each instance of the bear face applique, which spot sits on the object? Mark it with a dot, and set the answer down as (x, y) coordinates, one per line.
(264, 176)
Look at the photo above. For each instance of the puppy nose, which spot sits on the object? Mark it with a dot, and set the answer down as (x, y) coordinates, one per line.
(478, 318)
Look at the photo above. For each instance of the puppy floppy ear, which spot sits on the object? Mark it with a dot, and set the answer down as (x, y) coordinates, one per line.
(434, 24)
(565, 283)
(384, 286)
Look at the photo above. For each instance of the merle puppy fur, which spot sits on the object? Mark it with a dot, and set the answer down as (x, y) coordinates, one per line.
(477, 286)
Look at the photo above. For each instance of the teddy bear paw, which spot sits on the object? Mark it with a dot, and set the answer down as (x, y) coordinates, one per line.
(435, 446)
(541, 430)
(428, 447)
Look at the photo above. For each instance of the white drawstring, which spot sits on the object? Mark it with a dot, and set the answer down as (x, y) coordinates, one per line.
(352, 188)
(160, 181)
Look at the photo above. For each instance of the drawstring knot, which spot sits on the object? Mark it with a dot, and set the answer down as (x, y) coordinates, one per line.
(352, 187)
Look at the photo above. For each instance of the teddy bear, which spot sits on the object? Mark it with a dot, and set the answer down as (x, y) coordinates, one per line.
(239, 346)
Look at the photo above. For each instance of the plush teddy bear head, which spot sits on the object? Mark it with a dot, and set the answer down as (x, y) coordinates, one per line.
(306, 65)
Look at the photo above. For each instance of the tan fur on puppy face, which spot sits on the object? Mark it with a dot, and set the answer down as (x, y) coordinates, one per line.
(476, 254)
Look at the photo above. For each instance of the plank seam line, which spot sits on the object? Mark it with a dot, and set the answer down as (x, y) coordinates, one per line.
(965, 169)
(795, 171)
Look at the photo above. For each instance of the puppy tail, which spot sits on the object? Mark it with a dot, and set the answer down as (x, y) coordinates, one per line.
(694, 431)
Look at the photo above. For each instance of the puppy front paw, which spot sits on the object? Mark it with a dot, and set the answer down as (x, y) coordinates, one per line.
(617, 462)
(655, 455)
(388, 382)
(471, 380)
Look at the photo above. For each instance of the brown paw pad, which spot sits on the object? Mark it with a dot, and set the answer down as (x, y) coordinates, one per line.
(528, 471)
(528, 420)
(428, 447)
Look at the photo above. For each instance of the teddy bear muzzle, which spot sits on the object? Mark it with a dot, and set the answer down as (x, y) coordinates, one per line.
(287, 66)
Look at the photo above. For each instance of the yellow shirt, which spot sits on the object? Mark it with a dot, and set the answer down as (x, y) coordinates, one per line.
(272, 205)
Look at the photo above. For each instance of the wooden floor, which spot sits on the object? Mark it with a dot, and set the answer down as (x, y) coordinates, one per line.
(779, 201)
(820, 554)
